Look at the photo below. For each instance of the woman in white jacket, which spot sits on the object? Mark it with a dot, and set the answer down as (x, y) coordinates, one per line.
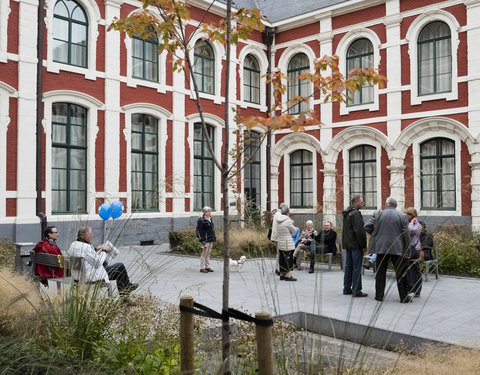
(93, 270)
(285, 245)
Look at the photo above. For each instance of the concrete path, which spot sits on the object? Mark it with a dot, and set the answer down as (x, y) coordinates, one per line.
(447, 311)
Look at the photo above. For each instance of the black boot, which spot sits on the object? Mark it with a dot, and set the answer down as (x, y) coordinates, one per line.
(312, 267)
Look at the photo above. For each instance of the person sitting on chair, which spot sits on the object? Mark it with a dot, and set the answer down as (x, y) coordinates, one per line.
(325, 242)
(93, 269)
(49, 246)
(306, 239)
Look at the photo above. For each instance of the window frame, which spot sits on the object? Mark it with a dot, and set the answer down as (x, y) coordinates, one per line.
(293, 110)
(248, 170)
(203, 157)
(434, 41)
(249, 86)
(363, 162)
(153, 41)
(203, 58)
(68, 146)
(143, 154)
(69, 42)
(302, 165)
(360, 57)
(438, 176)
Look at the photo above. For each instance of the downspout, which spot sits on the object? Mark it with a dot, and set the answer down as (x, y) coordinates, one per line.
(39, 127)
(267, 36)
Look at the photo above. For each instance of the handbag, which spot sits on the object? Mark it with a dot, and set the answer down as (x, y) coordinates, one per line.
(412, 253)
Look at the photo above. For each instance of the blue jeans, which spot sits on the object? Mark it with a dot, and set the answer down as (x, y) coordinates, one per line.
(352, 280)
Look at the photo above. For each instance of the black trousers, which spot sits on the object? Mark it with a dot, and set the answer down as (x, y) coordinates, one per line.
(414, 278)
(401, 266)
(119, 273)
(286, 261)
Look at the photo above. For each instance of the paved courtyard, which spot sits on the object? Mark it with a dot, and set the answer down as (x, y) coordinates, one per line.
(447, 310)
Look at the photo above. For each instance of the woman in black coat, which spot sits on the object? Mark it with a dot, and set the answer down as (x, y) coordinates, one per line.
(206, 234)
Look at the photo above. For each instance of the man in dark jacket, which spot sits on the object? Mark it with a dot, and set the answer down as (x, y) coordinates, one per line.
(205, 231)
(325, 242)
(354, 241)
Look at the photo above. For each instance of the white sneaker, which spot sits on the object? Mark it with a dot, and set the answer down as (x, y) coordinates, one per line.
(411, 295)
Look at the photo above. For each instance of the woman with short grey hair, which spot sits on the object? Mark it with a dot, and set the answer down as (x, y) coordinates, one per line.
(205, 231)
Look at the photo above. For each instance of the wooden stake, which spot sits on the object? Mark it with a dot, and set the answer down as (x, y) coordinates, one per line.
(264, 345)
(187, 365)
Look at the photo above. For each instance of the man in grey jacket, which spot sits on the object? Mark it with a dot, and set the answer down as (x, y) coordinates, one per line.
(389, 239)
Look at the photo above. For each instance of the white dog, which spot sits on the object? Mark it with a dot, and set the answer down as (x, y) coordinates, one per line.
(237, 264)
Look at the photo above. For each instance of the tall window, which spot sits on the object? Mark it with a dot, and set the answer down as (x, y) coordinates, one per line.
(204, 67)
(301, 179)
(69, 158)
(437, 165)
(252, 171)
(203, 168)
(434, 59)
(144, 162)
(251, 80)
(299, 64)
(70, 26)
(360, 56)
(363, 174)
(145, 58)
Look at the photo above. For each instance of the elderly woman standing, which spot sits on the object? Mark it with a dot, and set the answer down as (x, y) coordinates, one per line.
(285, 245)
(206, 234)
(414, 274)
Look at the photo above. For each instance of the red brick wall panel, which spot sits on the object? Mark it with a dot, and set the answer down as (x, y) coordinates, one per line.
(100, 153)
(339, 183)
(11, 207)
(169, 158)
(9, 73)
(12, 27)
(297, 33)
(408, 177)
(385, 176)
(187, 163)
(74, 82)
(281, 181)
(366, 14)
(169, 204)
(12, 139)
(101, 47)
(123, 156)
(466, 181)
(320, 179)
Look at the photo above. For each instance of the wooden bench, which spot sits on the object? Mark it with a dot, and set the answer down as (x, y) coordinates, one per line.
(64, 262)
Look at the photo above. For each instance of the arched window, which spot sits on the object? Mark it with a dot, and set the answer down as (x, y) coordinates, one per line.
(363, 174)
(301, 179)
(437, 171)
(145, 58)
(251, 80)
(434, 59)
(299, 64)
(360, 56)
(252, 172)
(69, 158)
(144, 162)
(204, 67)
(70, 29)
(203, 169)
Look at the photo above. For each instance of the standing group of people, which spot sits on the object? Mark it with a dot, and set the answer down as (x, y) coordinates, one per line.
(394, 236)
(94, 261)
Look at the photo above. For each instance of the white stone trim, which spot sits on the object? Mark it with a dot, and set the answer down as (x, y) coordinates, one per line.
(4, 13)
(6, 91)
(219, 52)
(341, 51)
(282, 66)
(435, 127)
(262, 60)
(93, 106)
(288, 144)
(218, 125)
(412, 37)
(94, 21)
(162, 115)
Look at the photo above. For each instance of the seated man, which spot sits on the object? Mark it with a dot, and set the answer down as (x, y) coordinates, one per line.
(325, 242)
(49, 246)
(93, 260)
(303, 244)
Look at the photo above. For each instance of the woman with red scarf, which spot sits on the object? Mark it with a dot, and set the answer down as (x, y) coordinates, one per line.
(48, 245)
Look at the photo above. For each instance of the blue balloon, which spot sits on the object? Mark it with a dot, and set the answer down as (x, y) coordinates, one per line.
(105, 211)
(117, 209)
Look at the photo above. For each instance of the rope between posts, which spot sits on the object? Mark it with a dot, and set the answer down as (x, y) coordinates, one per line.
(202, 310)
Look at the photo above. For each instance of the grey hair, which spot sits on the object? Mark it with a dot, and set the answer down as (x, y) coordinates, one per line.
(206, 209)
(284, 209)
(309, 222)
(391, 202)
(82, 233)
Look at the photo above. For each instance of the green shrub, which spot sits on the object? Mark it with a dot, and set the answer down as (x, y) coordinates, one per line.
(250, 242)
(458, 250)
(7, 253)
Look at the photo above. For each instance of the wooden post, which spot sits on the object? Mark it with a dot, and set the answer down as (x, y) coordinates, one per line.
(186, 337)
(264, 345)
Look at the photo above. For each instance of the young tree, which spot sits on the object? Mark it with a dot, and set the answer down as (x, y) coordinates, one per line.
(167, 21)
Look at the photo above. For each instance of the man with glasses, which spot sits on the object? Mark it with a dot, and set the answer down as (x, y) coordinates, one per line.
(49, 246)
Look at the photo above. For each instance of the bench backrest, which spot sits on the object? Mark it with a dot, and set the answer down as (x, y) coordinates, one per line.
(58, 261)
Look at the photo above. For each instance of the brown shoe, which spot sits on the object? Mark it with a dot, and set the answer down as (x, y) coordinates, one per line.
(209, 269)
(361, 294)
(203, 270)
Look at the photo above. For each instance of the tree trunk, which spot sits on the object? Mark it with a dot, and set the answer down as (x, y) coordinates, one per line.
(226, 204)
